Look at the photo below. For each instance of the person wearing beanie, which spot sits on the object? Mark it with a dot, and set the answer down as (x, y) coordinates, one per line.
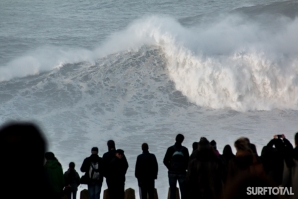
(92, 166)
(146, 171)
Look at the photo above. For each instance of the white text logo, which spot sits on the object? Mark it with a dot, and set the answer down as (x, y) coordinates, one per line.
(269, 191)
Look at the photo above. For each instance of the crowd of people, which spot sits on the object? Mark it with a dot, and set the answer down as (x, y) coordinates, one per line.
(29, 171)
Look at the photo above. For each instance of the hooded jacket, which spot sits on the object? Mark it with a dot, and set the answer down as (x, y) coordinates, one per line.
(117, 170)
(54, 175)
(107, 160)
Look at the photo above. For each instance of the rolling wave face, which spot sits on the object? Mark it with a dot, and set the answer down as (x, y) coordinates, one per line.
(105, 95)
(232, 63)
(228, 64)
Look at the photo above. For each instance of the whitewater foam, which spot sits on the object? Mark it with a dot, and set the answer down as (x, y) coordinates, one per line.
(232, 63)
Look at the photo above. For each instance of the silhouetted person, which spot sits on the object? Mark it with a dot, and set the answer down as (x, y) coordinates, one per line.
(72, 181)
(54, 175)
(254, 149)
(93, 168)
(245, 161)
(272, 157)
(146, 172)
(22, 148)
(176, 160)
(206, 173)
(290, 172)
(227, 154)
(213, 144)
(194, 146)
(116, 180)
(108, 157)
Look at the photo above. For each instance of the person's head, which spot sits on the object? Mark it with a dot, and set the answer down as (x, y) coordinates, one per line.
(254, 148)
(119, 153)
(203, 143)
(49, 156)
(296, 139)
(195, 146)
(145, 147)
(71, 165)
(22, 143)
(227, 150)
(204, 138)
(22, 137)
(205, 151)
(111, 144)
(179, 138)
(94, 150)
(213, 144)
(242, 144)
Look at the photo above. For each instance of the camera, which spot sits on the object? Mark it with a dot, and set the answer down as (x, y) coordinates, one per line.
(279, 136)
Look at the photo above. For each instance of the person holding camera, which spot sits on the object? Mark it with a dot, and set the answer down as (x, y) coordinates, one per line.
(273, 156)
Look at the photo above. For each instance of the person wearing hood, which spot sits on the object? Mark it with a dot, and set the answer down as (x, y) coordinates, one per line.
(107, 159)
(92, 166)
(176, 160)
(146, 171)
(72, 181)
(117, 170)
(54, 175)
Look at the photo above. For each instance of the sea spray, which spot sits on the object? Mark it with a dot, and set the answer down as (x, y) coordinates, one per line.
(230, 63)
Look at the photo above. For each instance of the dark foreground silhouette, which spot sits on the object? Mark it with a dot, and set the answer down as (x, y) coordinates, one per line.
(22, 148)
(28, 171)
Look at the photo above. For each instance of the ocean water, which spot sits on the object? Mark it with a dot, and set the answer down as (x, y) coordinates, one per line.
(136, 72)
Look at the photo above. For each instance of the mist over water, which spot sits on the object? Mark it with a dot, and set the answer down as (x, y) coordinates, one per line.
(221, 75)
